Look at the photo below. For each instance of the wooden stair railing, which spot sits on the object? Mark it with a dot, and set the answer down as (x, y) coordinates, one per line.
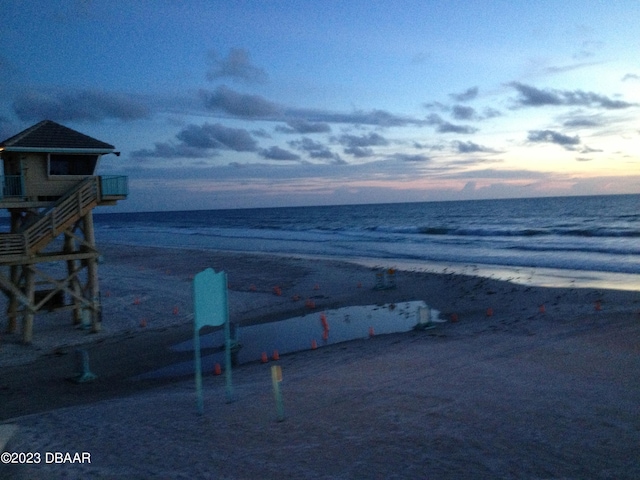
(66, 211)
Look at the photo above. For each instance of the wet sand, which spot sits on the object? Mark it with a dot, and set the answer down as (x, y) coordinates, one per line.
(523, 393)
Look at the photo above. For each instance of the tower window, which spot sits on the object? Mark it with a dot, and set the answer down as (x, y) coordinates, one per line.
(72, 164)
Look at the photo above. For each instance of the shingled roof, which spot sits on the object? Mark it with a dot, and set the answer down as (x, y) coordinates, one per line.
(48, 136)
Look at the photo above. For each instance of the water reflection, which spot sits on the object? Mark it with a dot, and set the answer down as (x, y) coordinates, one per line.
(302, 333)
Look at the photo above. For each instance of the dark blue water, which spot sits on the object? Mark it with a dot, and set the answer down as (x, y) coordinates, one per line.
(599, 233)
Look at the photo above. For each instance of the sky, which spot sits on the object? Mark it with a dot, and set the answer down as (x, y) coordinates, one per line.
(241, 104)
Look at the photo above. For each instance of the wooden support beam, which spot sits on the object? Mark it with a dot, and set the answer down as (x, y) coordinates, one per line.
(72, 272)
(27, 322)
(61, 285)
(92, 275)
(13, 289)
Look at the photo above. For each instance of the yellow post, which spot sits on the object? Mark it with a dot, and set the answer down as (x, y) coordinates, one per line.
(276, 378)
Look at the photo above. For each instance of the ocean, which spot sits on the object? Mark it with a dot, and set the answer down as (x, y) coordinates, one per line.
(560, 241)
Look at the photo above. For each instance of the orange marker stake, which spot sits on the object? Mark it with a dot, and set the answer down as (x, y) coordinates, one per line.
(323, 320)
(314, 344)
(217, 370)
(264, 358)
(276, 355)
(542, 309)
(371, 332)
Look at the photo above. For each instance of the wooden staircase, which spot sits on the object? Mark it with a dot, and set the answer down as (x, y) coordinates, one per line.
(36, 235)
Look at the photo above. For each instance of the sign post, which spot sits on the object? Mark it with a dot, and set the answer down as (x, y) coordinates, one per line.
(210, 307)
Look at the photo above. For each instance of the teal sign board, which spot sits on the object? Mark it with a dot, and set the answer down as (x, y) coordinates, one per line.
(210, 298)
(210, 307)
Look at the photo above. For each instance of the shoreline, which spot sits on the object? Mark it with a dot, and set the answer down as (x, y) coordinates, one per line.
(526, 275)
(148, 288)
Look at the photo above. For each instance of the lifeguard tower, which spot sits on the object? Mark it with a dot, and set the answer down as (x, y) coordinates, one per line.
(49, 186)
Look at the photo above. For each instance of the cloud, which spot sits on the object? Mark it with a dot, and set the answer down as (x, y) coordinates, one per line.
(462, 112)
(198, 141)
(569, 68)
(313, 148)
(587, 49)
(446, 127)
(81, 105)
(371, 139)
(405, 157)
(375, 117)
(468, 94)
(299, 120)
(358, 145)
(169, 150)
(459, 112)
(238, 104)
(236, 66)
(586, 149)
(490, 113)
(630, 76)
(277, 153)
(442, 126)
(550, 136)
(582, 122)
(302, 126)
(217, 136)
(534, 97)
(470, 147)
(359, 152)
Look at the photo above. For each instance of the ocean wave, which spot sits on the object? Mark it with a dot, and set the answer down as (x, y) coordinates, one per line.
(509, 232)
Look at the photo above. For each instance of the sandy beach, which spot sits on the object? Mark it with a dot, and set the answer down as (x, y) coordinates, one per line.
(543, 387)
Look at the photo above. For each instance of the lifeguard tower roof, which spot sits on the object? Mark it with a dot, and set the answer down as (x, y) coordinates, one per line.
(51, 137)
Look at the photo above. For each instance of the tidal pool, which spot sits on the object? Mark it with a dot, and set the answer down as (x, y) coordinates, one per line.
(313, 330)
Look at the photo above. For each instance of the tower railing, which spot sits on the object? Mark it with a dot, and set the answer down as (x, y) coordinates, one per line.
(114, 185)
(11, 186)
